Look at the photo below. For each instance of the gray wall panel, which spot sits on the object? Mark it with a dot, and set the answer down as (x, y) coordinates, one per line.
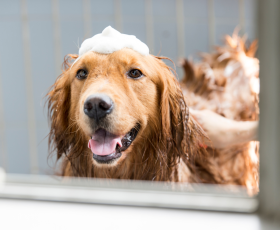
(165, 28)
(71, 8)
(250, 8)
(12, 72)
(134, 18)
(165, 40)
(17, 148)
(196, 38)
(102, 9)
(43, 74)
(251, 31)
(102, 14)
(72, 26)
(39, 7)
(136, 9)
(164, 9)
(14, 97)
(136, 28)
(250, 18)
(226, 9)
(196, 9)
(72, 35)
(10, 8)
(42, 61)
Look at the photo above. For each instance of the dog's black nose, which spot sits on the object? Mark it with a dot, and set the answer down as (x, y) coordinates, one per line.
(98, 106)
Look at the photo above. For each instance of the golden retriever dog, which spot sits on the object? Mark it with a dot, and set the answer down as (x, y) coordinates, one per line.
(123, 115)
(227, 82)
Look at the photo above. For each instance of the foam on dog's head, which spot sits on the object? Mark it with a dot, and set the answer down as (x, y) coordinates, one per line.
(111, 40)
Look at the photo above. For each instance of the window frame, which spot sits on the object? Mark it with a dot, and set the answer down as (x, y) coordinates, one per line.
(205, 197)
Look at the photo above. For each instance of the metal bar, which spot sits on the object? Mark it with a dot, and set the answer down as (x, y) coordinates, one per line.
(57, 37)
(118, 15)
(29, 89)
(3, 147)
(211, 24)
(269, 131)
(149, 25)
(180, 27)
(87, 19)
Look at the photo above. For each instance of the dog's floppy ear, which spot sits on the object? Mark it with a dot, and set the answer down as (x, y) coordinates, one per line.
(58, 100)
(174, 114)
(171, 100)
(181, 134)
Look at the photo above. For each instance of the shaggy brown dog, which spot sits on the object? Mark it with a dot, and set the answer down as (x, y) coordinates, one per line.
(226, 82)
(123, 115)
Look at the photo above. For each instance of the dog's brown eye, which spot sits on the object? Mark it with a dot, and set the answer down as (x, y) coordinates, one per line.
(81, 74)
(135, 73)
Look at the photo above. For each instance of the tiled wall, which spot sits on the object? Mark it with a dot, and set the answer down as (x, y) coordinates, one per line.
(37, 34)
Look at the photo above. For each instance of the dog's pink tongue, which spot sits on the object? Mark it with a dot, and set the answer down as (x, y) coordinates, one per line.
(104, 143)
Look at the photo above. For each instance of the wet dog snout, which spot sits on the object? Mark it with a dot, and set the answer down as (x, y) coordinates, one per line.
(97, 106)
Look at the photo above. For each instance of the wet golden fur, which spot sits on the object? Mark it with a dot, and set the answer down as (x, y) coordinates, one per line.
(168, 145)
(225, 82)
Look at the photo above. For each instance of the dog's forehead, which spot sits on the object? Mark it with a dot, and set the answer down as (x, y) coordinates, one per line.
(124, 57)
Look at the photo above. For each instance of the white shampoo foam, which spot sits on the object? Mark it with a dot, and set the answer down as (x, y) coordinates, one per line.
(111, 40)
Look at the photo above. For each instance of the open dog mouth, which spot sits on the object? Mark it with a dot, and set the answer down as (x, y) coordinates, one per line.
(107, 147)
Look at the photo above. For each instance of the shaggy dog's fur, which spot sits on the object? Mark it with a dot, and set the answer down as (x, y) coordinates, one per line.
(169, 144)
(226, 82)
